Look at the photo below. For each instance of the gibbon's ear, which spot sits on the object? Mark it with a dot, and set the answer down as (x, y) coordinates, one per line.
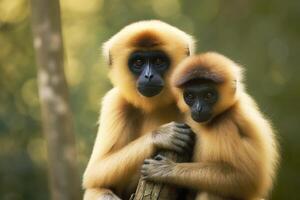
(109, 62)
(188, 51)
(106, 53)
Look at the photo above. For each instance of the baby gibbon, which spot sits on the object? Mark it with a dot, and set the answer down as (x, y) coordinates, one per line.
(235, 155)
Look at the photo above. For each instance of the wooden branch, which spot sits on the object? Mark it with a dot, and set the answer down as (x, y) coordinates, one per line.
(53, 92)
(156, 191)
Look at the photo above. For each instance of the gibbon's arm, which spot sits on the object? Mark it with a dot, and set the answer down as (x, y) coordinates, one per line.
(239, 175)
(111, 164)
(219, 178)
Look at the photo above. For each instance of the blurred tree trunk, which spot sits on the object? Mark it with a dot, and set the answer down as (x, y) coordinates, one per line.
(53, 91)
(147, 190)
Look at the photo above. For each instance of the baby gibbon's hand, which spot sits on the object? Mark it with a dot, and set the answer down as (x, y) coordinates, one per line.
(157, 169)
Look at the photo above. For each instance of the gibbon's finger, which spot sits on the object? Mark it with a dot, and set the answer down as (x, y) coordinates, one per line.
(188, 132)
(182, 130)
(158, 157)
(145, 177)
(150, 161)
(169, 124)
(145, 168)
(176, 148)
(144, 173)
(147, 161)
(180, 143)
(182, 125)
(192, 135)
(179, 124)
(161, 157)
(187, 140)
(184, 146)
(184, 137)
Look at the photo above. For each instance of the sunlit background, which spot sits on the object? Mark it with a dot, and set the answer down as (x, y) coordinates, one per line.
(263, 36)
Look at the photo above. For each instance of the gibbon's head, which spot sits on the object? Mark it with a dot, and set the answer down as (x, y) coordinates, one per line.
(206, 85)
(141, 57)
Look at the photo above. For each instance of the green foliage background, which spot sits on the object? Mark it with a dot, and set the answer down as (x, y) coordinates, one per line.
(261, 35)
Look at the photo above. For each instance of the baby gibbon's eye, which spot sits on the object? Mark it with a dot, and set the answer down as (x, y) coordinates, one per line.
(208, 96)
(189, 98)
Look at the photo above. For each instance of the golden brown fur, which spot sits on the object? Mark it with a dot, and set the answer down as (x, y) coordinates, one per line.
(123, 140)
(171, 40)
(236, 152)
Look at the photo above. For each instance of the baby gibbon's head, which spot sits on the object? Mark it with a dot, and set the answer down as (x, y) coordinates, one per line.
(206, 85)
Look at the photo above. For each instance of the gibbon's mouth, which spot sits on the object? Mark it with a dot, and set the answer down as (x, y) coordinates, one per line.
(201, 117)
(150, 90)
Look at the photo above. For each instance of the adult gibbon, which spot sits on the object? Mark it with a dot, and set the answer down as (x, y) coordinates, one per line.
(235, 155)
(141, 58)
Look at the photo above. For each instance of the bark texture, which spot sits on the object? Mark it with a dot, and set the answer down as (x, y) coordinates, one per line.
(147, 190)
(54, 100)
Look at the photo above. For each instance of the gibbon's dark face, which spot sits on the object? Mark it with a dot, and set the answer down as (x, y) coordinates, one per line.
(149, 68)
(201, 99)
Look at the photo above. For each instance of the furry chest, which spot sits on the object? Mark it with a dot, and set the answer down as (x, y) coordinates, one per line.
(214, 147)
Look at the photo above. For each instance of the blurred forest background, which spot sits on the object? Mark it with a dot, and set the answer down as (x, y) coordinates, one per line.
(264, 36)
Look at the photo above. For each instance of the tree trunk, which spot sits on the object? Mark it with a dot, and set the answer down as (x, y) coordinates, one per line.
(147, 190)
(53, 92)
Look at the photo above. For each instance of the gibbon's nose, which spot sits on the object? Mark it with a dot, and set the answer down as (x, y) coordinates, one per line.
(149, 77)
(199, 107)
(148, 74)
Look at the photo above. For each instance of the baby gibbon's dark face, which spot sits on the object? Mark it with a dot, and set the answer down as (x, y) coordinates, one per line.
(149, 68)
(200, 98)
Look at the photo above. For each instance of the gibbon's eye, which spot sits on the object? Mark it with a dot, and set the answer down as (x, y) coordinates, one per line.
(138, 63)
(189, 98)
(159, 62)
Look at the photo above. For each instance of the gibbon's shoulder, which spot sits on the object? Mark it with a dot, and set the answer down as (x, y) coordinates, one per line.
(113, 97)
(114, 102)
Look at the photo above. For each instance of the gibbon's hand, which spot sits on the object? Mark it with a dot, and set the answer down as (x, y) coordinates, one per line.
(157, 169)
(174, 136)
